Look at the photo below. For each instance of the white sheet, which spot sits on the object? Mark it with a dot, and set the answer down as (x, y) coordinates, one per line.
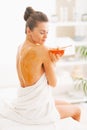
(34, 105)
(34, 109)
(63, 124)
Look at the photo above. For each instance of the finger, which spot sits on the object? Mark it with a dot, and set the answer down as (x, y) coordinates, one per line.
(52, 57)
(57, 56)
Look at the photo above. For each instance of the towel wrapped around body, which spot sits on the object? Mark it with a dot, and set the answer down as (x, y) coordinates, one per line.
(33, 105)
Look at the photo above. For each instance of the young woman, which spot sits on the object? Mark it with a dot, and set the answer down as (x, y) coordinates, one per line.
(35, 67)
(34, 59)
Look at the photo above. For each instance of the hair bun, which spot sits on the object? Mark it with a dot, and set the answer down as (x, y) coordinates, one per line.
(28, 12)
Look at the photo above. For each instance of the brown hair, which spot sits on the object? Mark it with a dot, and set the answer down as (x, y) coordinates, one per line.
(32, 17)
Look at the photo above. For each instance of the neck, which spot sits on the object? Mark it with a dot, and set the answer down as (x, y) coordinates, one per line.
(30, 41)
(28, 38)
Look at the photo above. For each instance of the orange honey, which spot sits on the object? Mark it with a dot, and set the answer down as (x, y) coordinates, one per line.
(57, 51)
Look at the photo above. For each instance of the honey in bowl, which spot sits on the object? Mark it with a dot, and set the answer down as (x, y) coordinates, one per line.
(57, 51)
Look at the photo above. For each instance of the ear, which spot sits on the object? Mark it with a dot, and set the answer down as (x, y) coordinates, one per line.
(28, 30)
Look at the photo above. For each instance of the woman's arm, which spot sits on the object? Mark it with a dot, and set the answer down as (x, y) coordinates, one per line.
(49, 69)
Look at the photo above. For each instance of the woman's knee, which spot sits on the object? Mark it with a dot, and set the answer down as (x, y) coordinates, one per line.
(76, 113)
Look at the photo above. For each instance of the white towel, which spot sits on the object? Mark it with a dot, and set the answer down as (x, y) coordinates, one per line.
(34, 105)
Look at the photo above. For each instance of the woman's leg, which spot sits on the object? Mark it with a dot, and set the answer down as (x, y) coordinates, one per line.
(68, 110)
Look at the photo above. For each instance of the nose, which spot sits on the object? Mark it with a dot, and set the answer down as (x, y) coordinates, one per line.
(45, 35)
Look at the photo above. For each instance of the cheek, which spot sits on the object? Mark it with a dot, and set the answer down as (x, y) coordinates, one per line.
(36, 37)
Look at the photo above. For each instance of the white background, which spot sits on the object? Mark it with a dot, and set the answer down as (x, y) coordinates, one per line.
(12, 33)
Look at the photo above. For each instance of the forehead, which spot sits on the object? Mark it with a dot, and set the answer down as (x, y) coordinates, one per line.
(42, 26)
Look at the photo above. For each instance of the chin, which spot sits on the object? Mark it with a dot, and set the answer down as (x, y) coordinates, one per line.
(43, 42)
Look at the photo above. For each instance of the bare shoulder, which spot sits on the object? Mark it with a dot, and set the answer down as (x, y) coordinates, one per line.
(38, 51)
(42, 50)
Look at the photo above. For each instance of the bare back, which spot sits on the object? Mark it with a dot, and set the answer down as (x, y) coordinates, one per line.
(32, 62)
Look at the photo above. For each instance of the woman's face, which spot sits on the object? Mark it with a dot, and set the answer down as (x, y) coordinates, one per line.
(39, 33)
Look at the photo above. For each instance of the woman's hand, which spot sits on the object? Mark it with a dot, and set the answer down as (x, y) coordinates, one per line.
(55, 54)
(54, 57)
